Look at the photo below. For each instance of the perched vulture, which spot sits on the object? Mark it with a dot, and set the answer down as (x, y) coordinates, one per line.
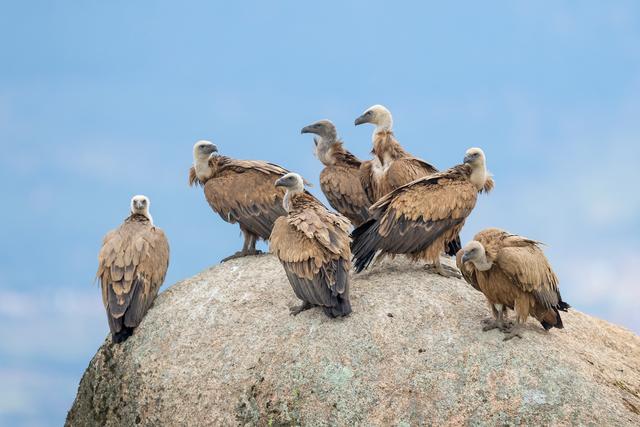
(340, 178)
(132, 264)
(512, 272)
(240, 191)
(392, 166)
(418, 218)
(313, 247)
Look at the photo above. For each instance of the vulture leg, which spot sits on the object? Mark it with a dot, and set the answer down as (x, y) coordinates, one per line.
(295, 310)
(248, 247)
(443, 270)
(521, 307)
(499, 319)
(513, 332)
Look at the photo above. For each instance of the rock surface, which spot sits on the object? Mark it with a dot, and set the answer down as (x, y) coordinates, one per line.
(221, 349)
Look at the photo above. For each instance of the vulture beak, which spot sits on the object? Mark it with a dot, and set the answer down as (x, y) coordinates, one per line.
(360, 120)
(211, 149)
(307, 129)
(279, 183)
(465, 257)
(468, 158)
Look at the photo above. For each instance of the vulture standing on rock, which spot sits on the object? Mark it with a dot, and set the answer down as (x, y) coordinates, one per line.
(418, 218)
(392, 166)
(132, 264)
(313, 247)
(512, 271)
(239, 191)
(340, 178)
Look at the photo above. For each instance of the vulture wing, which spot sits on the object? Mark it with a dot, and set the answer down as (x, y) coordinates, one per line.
(407, 169)
(243, 192)
(132, 265)
(345, 193)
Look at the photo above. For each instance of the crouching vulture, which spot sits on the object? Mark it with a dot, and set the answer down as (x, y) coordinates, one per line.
(418, 218)
(392, 165)
(132, 264)
(240, 191)
(340, 179)
(313, 246)
(512, 272)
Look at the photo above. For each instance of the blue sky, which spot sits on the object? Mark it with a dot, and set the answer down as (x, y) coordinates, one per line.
(103, 100)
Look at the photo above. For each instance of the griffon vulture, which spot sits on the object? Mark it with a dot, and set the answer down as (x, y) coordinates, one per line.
(313, 247)
(392, 166)
(512, 271)
(132, 264)
(240, 191)
(418, 218)
(340, 178)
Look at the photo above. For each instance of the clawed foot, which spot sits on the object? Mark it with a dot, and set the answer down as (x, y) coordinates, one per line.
(512, 333)
(443, 270)
(241, 254)
(295, 310)
(490, 324)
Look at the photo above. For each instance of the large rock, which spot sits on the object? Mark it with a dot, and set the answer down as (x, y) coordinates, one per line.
(222, 349)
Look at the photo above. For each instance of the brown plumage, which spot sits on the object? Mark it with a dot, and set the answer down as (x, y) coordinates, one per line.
(512, 272)
(313, 246)
(240, 191)
(418, 218)
(392, 165)
(132, 265)
(340, 178)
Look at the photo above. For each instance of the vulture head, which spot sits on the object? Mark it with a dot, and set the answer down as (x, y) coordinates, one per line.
(377, 115)
(202, 150)
(323, 128)
(140, 206)
(474, 157)
(474, 252)
(292, 182)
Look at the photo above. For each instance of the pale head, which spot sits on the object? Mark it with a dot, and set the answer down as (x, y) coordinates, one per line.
(474, 252)
(203, 149)
(140, 206)
(474, 156)
(323, 128)
(292, 182)
(377, 115)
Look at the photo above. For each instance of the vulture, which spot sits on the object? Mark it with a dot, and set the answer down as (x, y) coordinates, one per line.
(340, 179)
(392, 166)
(418, 218)
(132, 264)
(313, 246)
(512, 272)
(240, 191)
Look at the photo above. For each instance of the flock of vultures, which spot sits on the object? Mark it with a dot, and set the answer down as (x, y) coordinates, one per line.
(392, 204)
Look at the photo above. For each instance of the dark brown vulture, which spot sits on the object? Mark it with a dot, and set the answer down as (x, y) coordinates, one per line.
(512, 272)
(418, 218)
(340, 178)
(240, 191)
(392, 166)
(132, 264)
(313, 246)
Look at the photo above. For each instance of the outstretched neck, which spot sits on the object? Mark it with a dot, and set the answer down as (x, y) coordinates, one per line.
(324, 147)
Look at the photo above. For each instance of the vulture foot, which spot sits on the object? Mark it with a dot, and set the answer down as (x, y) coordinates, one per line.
(512, 333)
(297, 309)
(241, 254)
(443, 270)
(490, 324)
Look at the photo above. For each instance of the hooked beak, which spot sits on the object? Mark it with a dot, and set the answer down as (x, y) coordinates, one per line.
(279, 183)
(211, 149)
(307, 129)
(360, 120)
(465, 257)
(468, 158)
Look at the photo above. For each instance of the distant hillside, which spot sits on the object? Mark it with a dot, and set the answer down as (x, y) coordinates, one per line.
(221, 349)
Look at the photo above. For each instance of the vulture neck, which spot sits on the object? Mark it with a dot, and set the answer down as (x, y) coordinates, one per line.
(482, 264)
(289, 196)
(324, 150)
(204, 171)
(478, 176)
(387, 148)
(145, 213)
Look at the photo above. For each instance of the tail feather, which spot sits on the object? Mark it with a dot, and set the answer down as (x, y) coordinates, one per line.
(342, 308)
(454, 246)
(364, 244)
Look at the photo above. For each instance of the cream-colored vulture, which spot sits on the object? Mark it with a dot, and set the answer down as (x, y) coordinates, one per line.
(313, 246)
(240, 191)
(132, 264)
(392, 166)
(340, 179)
(512, 272)
(418, 218)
